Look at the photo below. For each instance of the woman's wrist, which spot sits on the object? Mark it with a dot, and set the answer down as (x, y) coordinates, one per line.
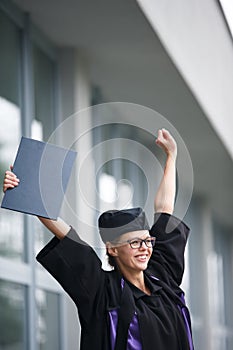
(172, 155)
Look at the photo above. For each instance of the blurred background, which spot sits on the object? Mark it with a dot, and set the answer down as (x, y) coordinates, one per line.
(175, 57)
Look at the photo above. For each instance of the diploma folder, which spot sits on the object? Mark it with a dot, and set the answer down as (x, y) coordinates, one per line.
(44, 171)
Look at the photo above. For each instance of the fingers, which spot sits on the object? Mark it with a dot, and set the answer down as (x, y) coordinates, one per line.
(163, 133)
(166, 142)
(10, 180)
(166, 134)
(162, 136)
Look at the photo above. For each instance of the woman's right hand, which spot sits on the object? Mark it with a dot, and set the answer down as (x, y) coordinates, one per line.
(10, 180)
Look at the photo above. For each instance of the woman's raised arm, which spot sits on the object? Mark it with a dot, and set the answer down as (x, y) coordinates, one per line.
(165, 196)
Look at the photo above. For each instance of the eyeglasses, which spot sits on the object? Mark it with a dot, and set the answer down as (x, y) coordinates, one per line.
(137, 243)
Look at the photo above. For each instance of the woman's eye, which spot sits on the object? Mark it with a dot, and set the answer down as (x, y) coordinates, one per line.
(135, 242)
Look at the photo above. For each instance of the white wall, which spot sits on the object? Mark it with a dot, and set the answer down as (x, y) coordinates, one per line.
(197, 39)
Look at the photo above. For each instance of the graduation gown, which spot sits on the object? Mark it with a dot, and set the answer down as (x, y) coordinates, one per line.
(113, 313)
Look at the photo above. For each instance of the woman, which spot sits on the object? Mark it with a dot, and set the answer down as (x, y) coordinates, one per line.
(139, 304)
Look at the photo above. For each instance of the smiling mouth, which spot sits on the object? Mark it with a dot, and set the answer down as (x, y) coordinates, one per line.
(142, 257)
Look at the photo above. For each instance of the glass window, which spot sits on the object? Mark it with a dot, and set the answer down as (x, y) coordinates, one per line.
(195, 296)
(131, 185)
(107, 191)
(11, 223)
(42, 236)
(10, 59)
(221, 289)
(12, 316)
(44, 123)
(48, 335)
(44, 91)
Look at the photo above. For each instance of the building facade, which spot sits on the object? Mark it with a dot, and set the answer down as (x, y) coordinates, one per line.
(102, 79)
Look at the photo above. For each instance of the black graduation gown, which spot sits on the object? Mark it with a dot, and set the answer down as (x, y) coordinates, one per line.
(163, 318)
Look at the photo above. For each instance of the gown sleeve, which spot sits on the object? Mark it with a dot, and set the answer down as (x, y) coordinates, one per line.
(78, 270)
(167, 260)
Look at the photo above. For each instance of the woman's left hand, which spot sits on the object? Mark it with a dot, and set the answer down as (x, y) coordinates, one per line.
(167, 142)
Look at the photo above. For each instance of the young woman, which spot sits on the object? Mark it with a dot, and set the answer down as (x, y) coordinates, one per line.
(139, 304)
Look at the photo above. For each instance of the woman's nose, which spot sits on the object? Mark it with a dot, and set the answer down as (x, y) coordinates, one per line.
(143, 245)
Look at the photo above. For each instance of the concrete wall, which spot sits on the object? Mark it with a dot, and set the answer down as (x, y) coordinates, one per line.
(197, 39)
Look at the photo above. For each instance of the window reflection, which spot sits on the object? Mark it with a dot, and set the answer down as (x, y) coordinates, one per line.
(216, 288)
(47, 320)
(12, 316)
(44, 75)
(113, 194)
(42, 236)
(220, 288)
(11, 223)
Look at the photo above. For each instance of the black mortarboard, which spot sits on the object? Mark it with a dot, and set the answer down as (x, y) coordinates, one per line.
(114, 223)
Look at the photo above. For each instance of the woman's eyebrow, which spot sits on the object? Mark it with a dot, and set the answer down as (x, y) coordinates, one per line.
(132, 239)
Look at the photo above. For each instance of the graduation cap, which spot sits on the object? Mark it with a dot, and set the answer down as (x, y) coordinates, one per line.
(114, 223)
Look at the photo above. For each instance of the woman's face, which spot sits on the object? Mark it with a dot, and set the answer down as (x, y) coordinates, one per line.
(131, 259)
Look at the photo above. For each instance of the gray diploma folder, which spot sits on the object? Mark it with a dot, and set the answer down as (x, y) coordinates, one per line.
(44, 171)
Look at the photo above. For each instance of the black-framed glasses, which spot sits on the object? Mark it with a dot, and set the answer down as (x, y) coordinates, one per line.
(136, 243)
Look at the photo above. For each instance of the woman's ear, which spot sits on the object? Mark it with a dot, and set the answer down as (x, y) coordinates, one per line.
(111, 249)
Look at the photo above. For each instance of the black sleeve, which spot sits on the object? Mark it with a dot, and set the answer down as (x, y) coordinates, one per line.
(76, 267)
(167, 261)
